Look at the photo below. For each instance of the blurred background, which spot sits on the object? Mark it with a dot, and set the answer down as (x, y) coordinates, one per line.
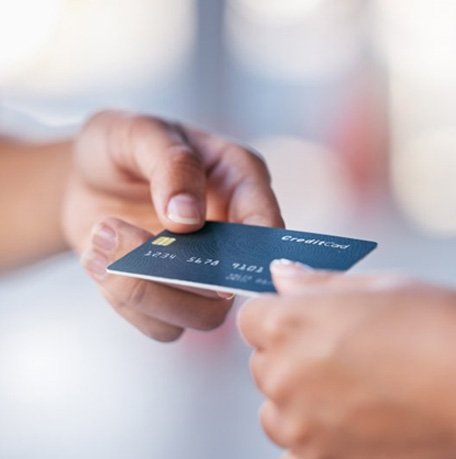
(352, 103)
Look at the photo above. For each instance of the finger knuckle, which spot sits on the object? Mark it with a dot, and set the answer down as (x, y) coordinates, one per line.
(248, 159)
(104, 126)
(111, 222)
(293, 432)
(275, 387)
(183, 157)
(275, 326)
(258, 164)
(284, 430)
(136, 294)
(269, 421)
(213, 319)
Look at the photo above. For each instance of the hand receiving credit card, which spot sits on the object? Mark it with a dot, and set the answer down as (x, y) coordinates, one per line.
(234, 258)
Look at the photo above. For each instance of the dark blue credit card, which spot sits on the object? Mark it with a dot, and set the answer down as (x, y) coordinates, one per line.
(235, 258)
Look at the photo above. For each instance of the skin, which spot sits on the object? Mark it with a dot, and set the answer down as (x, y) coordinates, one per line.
(32, 180)
(355, 366)
(111, 188)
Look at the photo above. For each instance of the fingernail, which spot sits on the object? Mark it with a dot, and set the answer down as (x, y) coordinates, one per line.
(105, 238)
(284, 267)
(185, 209)
(225, 295)
(96, 264)
(256, 220)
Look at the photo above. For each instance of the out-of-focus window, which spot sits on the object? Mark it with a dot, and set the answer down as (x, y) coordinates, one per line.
(293, 40)
(69, 45)
(418, 39)
(61, 59)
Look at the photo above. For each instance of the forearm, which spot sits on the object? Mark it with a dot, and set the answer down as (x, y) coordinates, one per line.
(32, 183)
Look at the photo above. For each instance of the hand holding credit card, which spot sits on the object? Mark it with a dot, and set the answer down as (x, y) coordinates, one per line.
(235, 258)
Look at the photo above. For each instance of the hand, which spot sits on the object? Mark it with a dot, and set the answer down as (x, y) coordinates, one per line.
(135, 175)
(355, 366)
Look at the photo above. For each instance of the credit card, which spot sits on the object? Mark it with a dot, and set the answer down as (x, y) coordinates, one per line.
(235, 258)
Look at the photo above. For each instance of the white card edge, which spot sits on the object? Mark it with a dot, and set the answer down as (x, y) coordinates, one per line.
(165, 280)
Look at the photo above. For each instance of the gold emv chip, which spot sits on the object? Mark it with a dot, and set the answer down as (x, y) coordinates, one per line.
(164, 241)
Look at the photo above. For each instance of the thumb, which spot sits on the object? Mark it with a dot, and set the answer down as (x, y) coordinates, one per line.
(293, 277)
